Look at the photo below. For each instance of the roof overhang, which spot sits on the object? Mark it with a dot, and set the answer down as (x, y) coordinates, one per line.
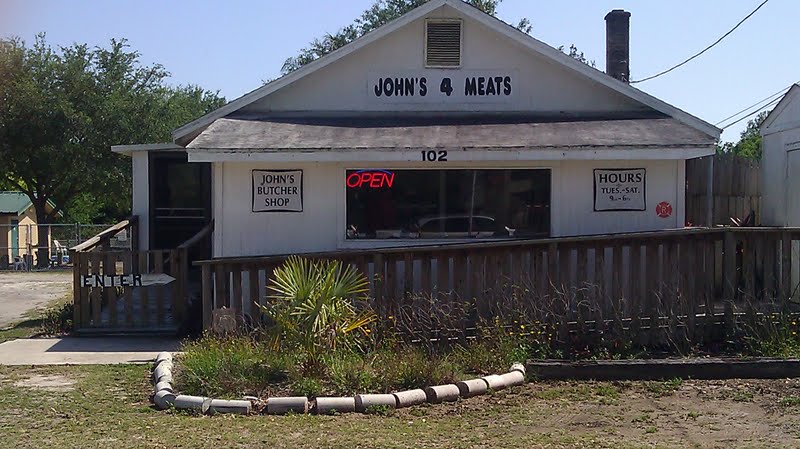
(768, 126)
(128, 150)
(465, 139)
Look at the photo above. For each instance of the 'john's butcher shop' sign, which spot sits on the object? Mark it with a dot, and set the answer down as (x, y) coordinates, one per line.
(619, 189)
(277, 190)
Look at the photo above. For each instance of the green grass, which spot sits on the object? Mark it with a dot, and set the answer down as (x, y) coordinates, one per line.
(24, 329)
(109, 408)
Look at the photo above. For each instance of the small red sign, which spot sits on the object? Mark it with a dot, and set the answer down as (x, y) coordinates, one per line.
(664, 209)
(374, 179)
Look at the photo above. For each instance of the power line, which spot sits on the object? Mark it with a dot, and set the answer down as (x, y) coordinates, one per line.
(771, 103)
(705, 49)
(771, 97)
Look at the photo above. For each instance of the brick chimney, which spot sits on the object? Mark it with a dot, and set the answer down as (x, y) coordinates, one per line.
(618, 26)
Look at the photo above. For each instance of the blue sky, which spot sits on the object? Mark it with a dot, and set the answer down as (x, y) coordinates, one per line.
(232, 46)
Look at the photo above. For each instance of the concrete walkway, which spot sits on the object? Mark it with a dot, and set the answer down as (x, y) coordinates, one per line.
(84, 351)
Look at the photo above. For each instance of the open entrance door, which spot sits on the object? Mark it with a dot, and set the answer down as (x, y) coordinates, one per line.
(180, 201)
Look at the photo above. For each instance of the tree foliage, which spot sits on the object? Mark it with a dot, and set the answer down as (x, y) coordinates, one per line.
(749, 143)
(62, 108)
(575, 53)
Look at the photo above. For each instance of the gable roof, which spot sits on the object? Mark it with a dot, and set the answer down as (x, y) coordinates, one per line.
(16, 203)
(184, 134)
(790, 96)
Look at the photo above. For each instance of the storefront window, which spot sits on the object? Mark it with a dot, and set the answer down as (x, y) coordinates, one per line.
(439, 204)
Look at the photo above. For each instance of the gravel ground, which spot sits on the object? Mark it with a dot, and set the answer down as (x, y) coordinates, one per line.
(23, 292)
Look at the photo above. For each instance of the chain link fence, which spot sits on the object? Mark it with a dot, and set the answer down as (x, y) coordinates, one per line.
(22, 249)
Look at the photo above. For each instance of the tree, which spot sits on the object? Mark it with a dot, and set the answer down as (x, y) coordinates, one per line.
(749, 144)
(574, 53)
(61, 110)
(380, 13)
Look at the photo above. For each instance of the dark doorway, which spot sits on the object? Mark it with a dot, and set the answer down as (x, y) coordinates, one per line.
(180, 201)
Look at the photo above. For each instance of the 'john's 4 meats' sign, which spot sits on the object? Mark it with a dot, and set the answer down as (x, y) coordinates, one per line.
(442, 86)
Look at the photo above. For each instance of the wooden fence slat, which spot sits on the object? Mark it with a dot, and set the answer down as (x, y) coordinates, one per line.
(391, 285)
(786, 268)
(602, 310)
(237, 303)
(408, 278)
(635, 288)
(110, 269)
(479, 284)
(618, 300)
(653, 288)
(460, 277)
(769, 268)
(378, 279)
(586, 305)
(425, 274)
(128, 263)
(96, 293)
(221, 287)
(689, 291)
(207, 294)
(541, 279)
(158, 268)
(255, 296)
(144, 293)
(77, 291)
(442, 276)
(730, 280)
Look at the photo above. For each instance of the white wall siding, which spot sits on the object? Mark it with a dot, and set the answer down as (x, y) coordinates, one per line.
(575, 199)
(780, 180)
(141, 196)
(321, 225)
(539, 85)
(773, 180)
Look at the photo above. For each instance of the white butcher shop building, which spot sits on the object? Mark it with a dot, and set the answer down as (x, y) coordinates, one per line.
(444, 125)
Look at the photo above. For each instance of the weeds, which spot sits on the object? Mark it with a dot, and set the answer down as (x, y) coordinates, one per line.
(57, 320)
(380, 410)
(231, 367)
(666, 388)
(790, 401)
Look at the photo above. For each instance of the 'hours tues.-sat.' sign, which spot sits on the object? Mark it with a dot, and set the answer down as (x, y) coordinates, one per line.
(618, 189)
(277, 190)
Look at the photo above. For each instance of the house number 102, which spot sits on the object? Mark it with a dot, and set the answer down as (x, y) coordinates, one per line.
(434, 156)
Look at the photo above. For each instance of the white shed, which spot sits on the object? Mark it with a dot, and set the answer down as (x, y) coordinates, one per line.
(444, 125)
(781, 162)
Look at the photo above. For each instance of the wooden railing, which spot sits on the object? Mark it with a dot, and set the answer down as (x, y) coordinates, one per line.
(694, 279)
(126, 305)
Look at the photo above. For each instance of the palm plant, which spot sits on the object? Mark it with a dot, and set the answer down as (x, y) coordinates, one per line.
(313, 307)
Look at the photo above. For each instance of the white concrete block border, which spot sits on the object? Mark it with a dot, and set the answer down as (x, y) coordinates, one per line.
(164, 395)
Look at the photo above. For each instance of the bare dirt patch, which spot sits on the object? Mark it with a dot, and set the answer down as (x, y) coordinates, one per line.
(22, 293)
(51, 382)
(734, 413)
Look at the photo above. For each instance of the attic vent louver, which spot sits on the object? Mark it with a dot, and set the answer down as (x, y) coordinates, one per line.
(443, 43)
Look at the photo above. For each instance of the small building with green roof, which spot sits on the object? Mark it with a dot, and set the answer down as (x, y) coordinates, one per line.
(18, 226)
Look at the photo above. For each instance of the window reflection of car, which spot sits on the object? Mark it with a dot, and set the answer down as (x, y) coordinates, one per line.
(458, 226)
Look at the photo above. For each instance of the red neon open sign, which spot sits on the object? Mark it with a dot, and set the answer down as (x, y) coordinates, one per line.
(373, 179)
